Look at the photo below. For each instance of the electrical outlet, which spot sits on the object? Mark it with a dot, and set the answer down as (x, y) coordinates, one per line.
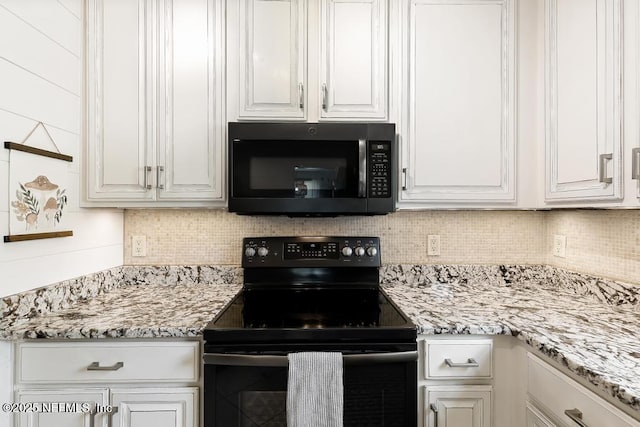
(138, 246)
(433, 244)
(559, 245)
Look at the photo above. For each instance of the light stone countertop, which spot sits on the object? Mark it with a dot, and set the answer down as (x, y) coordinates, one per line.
(588, 325)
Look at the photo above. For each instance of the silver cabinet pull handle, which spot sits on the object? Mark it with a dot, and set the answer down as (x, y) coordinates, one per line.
(470, 363)
(114, 410)
(146, 184)
(602, 169)
(324, 96)
(95, 366)
(434, 408)
(301, 95)
(576, 416)
(635, 163)
(158, 180)
(404, 179)
(92, 415)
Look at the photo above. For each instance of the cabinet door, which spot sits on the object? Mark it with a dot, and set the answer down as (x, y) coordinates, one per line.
(119, 105)
(583, 100)
(171, 407)
(78, 411)
(458, 406)
(535, 417)
(460, 144)
(272, 52)
(353, 59)
(190, 100)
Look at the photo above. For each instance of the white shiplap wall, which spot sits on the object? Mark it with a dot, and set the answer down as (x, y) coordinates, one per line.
(41, 80)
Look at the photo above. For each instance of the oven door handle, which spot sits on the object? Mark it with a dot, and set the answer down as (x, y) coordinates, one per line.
(281, 361)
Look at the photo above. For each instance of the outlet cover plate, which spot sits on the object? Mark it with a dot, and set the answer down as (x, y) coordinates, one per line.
(138, 246)
(559, 245)
(433, 245)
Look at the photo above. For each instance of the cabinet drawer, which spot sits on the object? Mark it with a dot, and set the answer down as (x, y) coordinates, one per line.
(556, 392)
(536, 418)
(112, 362)
(458, 359)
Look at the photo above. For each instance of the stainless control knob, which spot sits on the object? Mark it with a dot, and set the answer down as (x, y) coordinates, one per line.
(249, 252)
(262, 251)
(359, 251)
(372, 251)
(347, 251)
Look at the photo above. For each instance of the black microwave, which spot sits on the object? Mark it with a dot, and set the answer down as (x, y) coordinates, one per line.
(312, 169)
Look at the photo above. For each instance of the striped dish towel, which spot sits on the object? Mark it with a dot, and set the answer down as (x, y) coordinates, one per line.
(314, 390)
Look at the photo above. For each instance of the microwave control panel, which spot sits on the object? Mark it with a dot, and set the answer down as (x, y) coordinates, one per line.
(379, 169)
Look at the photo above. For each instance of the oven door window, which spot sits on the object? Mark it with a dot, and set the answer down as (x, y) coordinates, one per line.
(250, 396)
(296, 169)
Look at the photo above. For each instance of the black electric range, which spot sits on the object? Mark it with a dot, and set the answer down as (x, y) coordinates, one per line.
(310, 294)
(310, 289)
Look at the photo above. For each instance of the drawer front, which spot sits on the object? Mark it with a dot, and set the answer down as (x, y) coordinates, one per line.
(556, 392)
(458, 359)
(91, 362)
(536, 418)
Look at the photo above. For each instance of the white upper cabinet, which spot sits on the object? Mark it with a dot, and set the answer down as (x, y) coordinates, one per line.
(583, 75)
(631, 87)
(353, 59)
(190, 156)
(119, 111)
(154, 88)
(459, 142)
(307, 60)
(271, 56)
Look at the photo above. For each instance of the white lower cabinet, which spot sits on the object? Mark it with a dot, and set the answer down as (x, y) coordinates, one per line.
(536, 418)
(458, 406)
(154, 407)
(60, 407)
(558, 397)
(110, 383)
(456, 382)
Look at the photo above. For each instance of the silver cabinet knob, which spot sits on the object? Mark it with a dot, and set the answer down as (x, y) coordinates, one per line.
(371, 251)
(347, 251)
(249, 252)
(359, 251)
(262, 251)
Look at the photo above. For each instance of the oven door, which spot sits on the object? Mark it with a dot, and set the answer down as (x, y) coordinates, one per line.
(249, 390)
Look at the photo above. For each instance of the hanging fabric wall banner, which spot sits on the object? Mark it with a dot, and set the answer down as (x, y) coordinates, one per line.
(37, 191)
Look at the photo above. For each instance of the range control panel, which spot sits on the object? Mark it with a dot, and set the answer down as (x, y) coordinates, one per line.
(311, 251)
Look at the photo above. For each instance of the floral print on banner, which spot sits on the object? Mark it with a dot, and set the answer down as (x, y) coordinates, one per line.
(31, 209)
(38, 194)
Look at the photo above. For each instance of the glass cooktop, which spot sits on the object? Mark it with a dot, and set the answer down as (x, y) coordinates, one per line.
(301, 314)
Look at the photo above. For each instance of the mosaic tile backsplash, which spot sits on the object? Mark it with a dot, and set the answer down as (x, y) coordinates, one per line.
(190, 237)
(600, 242)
